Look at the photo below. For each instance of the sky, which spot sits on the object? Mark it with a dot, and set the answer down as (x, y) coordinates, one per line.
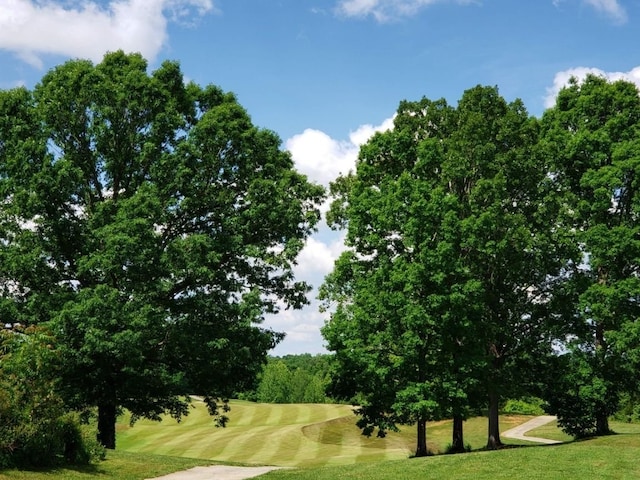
(326, 74)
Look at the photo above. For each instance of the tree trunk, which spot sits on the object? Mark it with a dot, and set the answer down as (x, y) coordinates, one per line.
(493, 442)
(421, 448)
(602, 420)
(602, 424)
(457, 439)
(107, 425)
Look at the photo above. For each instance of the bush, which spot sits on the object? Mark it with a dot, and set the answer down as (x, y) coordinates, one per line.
(524, 406)
(629, 409)
(35, 429)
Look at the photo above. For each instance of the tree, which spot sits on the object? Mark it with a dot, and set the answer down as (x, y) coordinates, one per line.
(592, 139)
(152, 226)
(275, 383)
(441, 295)
(509, 246)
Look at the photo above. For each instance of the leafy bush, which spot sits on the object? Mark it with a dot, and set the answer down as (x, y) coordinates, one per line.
(629, 409)
(35, 429)
(523, 406)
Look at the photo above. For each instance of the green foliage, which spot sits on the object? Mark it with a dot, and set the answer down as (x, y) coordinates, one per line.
(293, 379)
(152, 226)
(629, 410)
(523, 406)
(591, 139)
(437, 304)
(35, 430)
(580, 396)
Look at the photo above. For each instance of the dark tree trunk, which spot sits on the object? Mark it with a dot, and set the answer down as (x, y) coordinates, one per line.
(107, 425)
(493, 441)
(421, 448)
(602, 419)
(457, 439)
(602, 424)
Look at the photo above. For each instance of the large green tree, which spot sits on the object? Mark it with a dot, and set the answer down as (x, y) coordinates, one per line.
(592, 140)
(152, 225)
(440, 301)
(508, 245)
(397, 287)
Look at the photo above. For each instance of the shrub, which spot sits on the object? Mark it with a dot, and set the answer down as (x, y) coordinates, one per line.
(35, 429)
(523, 406)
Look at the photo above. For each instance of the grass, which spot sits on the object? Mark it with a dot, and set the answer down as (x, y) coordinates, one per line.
(118, 465)
(612, 457)
(551, 431)
(300, 435)
(322, 442)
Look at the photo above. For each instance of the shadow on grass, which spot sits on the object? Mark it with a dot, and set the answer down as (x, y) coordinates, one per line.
(93, 469)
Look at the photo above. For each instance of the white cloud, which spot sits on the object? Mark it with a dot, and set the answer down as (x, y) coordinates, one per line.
(323, 158)
(84, 29)
(317, 257)
(561, 79)
(385, 10)
(610, 8)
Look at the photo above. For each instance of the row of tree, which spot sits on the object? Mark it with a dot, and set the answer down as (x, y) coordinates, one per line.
(149, 226)
(292, 379)
(491, 254)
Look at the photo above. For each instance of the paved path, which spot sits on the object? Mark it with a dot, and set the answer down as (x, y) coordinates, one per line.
(519, 431)
(217, 472)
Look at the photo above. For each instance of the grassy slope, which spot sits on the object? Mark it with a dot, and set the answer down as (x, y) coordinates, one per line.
(118, 466)
(310, 434)
(286, 435)
(611, 457)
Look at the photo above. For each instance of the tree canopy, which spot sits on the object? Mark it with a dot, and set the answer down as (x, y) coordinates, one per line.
(592, 136)
(151, 225)
(442, 301)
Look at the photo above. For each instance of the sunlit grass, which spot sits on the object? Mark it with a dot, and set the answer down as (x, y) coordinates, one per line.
(322, 442)
(290, 435)
(610, 457)
(118, 466)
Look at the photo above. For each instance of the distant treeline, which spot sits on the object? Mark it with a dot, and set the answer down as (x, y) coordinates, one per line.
(299, 378)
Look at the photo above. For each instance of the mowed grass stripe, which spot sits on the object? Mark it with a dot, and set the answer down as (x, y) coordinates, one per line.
(286, 435)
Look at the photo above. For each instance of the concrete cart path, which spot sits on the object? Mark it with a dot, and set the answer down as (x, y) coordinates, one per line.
(217, 472)
(519, 432)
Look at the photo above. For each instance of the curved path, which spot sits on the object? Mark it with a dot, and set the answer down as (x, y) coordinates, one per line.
(519, 432)
(228, 472)
(217, 472)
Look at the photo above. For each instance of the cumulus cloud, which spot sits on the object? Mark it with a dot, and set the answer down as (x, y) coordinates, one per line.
(323, 158)
(385, 10)
(561, 79)
(85, 29)
(317, 257)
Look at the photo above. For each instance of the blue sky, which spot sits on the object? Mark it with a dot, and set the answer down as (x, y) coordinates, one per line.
(325, 74)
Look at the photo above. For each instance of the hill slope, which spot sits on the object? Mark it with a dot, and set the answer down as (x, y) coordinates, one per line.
(285, 435)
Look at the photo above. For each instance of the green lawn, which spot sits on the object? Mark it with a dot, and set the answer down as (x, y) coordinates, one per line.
(288, 435)
(322, 443)
(611, 457)
(119, 465)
